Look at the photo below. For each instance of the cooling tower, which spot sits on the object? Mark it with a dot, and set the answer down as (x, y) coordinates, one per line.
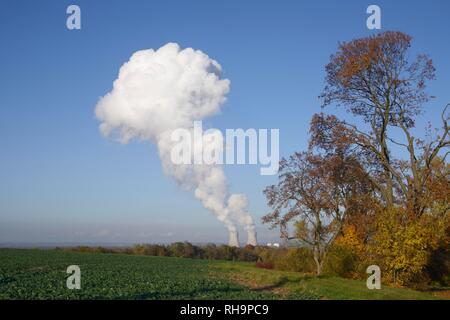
(234, 239)
(251, 238)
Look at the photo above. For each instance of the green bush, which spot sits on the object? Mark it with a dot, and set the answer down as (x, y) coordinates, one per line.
(287, 259)
(295, 259)
(438, 266)
(343, 262)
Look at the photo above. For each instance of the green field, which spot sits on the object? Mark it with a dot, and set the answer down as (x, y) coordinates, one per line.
(41, 274)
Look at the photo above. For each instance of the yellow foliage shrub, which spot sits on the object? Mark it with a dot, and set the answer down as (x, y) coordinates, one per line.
(402, 246)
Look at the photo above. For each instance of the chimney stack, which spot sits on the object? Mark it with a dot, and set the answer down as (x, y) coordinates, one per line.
(234, 239)
(251, 237)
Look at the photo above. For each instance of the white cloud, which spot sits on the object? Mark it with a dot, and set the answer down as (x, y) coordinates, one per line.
(158, 91)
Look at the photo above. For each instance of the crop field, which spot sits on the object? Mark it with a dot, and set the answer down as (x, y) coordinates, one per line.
(41, 274)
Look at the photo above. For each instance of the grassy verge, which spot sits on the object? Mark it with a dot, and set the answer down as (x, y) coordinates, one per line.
(292, 285)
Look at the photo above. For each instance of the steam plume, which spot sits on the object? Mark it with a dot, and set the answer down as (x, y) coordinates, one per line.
(159, 91)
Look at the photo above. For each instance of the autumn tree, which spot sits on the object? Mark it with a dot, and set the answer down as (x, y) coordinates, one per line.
(316, 192)
(374, 80)
(350, 175)
(363, 202)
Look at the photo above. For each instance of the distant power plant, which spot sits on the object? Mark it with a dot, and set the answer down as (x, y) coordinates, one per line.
(275, 244)
(234, 238)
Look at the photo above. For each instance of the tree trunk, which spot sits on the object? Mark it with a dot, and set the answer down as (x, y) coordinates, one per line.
(319, 268)
(318, 259)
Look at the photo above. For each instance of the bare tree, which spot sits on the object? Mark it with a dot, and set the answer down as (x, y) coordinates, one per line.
(315, 193)
(374, 80)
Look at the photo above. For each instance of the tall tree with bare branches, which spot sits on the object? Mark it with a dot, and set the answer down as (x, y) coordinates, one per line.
(373, 78)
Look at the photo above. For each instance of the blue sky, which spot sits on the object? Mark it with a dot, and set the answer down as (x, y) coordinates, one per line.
(61, 181)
